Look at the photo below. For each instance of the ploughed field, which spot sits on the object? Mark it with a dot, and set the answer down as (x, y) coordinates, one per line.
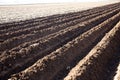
(81, 45)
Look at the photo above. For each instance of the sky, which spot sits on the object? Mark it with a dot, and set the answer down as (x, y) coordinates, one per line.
(44, 1)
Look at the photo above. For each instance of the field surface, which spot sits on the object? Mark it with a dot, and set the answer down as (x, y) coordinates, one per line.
(81, 45)
(10, 13)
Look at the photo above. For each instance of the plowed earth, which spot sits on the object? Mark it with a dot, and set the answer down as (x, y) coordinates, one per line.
(81, 45)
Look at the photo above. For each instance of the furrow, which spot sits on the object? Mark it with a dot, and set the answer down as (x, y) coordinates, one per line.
(42, 69)
(27, 30)
(94, 65)
(10, 43)
(12, 58)
(89, 23)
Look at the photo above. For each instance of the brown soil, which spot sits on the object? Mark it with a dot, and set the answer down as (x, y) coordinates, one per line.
(62, 46)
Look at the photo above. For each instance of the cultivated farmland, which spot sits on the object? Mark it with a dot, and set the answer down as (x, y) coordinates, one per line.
(82, 45)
